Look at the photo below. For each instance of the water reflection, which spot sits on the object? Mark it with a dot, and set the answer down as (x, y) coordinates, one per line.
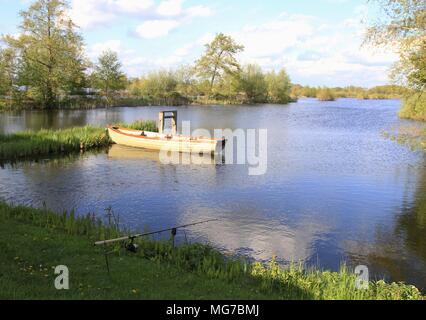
(398, 251)
(248, 232)
(119, 152)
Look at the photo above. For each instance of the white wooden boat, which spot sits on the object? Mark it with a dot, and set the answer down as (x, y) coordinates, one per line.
(166, 142)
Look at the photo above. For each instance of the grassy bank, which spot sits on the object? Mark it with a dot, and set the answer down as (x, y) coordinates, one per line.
(34, 241)
(48, 142)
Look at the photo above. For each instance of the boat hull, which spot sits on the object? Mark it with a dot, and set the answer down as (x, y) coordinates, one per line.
(155, 141)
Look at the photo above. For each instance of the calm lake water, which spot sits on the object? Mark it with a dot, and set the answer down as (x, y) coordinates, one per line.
(335, 189)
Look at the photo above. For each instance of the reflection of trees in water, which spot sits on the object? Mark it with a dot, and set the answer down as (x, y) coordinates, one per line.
(54, 119)
(412, 223)
(399, 250)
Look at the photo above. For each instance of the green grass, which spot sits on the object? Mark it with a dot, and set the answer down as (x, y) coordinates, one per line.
(45, 142)
(34, 241)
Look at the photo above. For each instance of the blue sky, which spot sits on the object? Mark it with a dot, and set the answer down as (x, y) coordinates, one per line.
(317, 42)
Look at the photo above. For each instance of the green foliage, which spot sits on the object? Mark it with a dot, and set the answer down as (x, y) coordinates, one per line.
(253, 83)
(260, 87)
(417, 76)
(108, 76)
(404, 24)
(46, 142)
(279, 87)
(414, 106)
(51, 52)
(325, 94)
(250, 85)
(9, 80)
(402, 21)
(300, 91)
(219, 59)
(378, 92)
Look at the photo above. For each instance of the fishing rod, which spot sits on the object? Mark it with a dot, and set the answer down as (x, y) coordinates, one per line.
(132, 237)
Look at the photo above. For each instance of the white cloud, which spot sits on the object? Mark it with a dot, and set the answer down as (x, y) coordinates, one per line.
(170, 8)
(131, 6)
(96, 49)
(276, 36)
(91, 13)
(315, 52)
(156, 28)
(199, 11)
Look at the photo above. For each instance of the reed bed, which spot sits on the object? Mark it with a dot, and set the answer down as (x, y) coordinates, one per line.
(64, 141)
(197, 262)
(147, 125)
(47, 142)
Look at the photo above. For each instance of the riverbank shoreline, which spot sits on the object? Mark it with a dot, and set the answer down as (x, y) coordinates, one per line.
(141, 103)
(35, 241)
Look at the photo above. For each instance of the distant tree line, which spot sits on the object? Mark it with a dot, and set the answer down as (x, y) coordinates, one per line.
(327, 94)
(45, 66)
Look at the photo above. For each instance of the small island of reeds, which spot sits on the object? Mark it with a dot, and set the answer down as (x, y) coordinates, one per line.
(45, 142)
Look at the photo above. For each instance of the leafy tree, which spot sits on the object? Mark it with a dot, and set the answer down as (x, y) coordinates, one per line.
(219, 59)
(159, 84)
(185, 77)
(404, 25)
(9, 74)
(402, 21)
(417, 59)
(107, 75)
(253, 84)
(51, 51)
(325, 94)
(230, 86)
(278, 87)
